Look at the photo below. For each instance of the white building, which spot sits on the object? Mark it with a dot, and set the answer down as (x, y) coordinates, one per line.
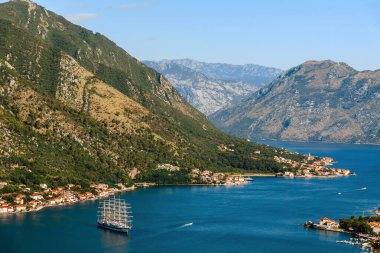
(44, 186)
(3, 209)
(375, 226)
(328, 223)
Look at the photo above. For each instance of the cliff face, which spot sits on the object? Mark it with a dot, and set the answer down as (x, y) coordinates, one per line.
(315, 101)
(212, 86)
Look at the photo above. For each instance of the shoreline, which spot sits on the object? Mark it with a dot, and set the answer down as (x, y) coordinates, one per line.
(132, 188)
(274, 175)
(253, 174)
(368, 239)
(320, 177)
(169, 185)
(150, 184)
(321, 142)
(39, 208)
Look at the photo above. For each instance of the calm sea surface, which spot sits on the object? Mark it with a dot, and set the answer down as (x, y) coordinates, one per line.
(264, 216)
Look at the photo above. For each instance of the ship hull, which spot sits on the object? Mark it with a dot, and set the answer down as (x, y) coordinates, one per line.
(114, 228)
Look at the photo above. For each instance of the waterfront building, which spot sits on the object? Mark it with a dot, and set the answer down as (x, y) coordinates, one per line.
(328, 223)
(375, 226)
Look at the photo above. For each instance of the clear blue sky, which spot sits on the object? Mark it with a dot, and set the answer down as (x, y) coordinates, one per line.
(278, 33)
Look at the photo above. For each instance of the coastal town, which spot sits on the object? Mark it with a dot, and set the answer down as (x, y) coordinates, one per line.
(70, 194)
(211, 178)
(310, 167)
(207, 177)
(365, 230)
(30, 200)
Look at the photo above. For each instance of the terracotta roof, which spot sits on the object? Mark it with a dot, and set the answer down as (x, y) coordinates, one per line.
(374, 224)
(328, 220)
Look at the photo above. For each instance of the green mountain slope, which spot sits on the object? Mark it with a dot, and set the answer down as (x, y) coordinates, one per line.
(94, 52)
(77, 108)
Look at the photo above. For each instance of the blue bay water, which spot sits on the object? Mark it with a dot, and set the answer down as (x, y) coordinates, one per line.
(264, 216)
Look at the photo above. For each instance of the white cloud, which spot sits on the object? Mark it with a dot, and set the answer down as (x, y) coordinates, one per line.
(80, 17)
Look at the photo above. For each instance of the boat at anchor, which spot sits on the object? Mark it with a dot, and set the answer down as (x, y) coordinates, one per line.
(113, 215)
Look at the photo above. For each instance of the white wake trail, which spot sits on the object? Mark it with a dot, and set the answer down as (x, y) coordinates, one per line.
(361, 189)
(186, 225)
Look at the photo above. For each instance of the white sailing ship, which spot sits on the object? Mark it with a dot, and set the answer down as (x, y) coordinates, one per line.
(114, 214)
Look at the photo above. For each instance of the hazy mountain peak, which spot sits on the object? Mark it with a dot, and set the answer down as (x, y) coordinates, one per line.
(212, 86)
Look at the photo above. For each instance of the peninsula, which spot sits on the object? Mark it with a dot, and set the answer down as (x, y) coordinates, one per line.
(311, 166)
(364, 229)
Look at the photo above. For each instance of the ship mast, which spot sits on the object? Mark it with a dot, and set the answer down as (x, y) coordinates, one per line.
(119, 213)
(114, 212)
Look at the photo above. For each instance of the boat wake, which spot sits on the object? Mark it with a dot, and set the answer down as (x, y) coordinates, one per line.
(165, 231)
(186, 225)
(361, 189)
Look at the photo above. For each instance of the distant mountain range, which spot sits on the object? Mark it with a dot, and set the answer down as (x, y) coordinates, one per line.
(212, 86)
(315, 101)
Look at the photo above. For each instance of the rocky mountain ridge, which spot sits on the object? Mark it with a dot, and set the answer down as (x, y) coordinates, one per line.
(315, 101)
(250, 73)
(212, 86)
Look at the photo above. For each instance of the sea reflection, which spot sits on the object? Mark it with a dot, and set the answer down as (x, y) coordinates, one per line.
(18, 218)
(115, 242)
